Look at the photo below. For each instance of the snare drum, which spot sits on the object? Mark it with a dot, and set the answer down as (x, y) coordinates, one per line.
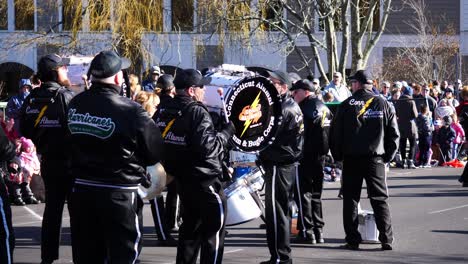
(254, 179)
(242, 159)
(241, 207)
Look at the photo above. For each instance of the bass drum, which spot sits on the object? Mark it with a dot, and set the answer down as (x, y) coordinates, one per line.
(254, 106)
(241, 207)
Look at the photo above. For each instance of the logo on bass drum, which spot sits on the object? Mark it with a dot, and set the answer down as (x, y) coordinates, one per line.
(254, 107)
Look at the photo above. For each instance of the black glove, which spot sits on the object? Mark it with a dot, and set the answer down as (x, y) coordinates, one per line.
(146, 181)
(229, 129)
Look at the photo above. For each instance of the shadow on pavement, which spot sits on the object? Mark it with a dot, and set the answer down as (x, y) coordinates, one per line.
(462, 232)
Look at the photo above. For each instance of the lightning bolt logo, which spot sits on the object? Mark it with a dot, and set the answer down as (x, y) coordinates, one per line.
(41, 114)
(169, 125)
(366, 105)
(252, 106)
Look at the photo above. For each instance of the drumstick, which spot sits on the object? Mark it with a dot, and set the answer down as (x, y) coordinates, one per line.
(220, 92)
(85, 80)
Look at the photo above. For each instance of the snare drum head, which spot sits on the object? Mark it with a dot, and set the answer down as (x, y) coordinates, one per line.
(254, 106)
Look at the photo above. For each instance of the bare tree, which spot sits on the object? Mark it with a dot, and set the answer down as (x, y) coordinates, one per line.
(432, 58)
(290, 24)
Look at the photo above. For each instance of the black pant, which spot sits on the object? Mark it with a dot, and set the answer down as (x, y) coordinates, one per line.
(172, 206)
(159, 218)
(425, 142)
(7, 236)
(106, 225)
(203, 223)
(308, 195)
(278, 196)
(412, 148)
(446, 150)
(373, 171)
(57, 184)
(464, 176)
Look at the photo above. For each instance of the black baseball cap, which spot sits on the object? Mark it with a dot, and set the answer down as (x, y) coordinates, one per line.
(303, 85)
(107, 63)
(361, 76)
(190, 77)
(50, 63)
(165, 81)
(280, 75)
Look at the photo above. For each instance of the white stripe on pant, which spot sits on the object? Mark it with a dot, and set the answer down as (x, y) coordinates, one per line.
(221, 210)
(299, 198)
(159, 218)
(138, 230)
(273, 202)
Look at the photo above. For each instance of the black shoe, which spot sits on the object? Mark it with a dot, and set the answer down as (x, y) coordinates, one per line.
(319, 236)
(465, 184)
(308, 238)
(18, 201)
(350, 246)
(167, 243)
(274, 262)
(262, 226)
(47, 262)
(31, 200)
(387, 246)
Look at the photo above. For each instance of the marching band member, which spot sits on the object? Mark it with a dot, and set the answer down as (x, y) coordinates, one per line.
(309, 183)
(43, 120)
(113, 140)
(192, 155)
(364, 135)
(279, 161)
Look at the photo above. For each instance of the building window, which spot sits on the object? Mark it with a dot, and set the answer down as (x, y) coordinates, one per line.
(72, 14)
(182, 15)
(151, 14)
(99, 15)
(273, 13)
(24, 14)
(3, 14)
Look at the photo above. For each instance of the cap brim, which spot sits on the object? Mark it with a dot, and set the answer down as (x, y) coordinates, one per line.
(64, 62)
(274, 75)
(125, 63)
(205, 81)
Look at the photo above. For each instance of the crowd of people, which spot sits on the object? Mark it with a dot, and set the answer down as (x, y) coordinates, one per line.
(91, 149)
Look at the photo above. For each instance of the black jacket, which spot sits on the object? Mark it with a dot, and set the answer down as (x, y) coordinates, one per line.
(445, 136)
(406, 112)
(43, 119)
(364, 126)
(287, 147)
(317, 119)
(193, 149)
(112, 138)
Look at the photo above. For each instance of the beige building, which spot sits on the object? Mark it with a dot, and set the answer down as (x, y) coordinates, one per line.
(22, 40)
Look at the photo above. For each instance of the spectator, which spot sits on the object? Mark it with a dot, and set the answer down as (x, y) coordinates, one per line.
(459, 136)
(16, 101)
(406, 112)
(328, 97)
(449, 96)
(425, 129)
(135, 87)
(149, 101)
(443, 109)
(150, 84)
(337, 88)
(8, 125)
(445, 137)
(385, 91)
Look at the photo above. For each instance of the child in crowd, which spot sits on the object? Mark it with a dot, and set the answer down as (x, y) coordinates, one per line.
(425, 129)
(21, 170)
(445, 138)
(328, 97)
(459, 136)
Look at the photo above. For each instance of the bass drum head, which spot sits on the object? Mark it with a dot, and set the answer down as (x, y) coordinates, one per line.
(254, 106)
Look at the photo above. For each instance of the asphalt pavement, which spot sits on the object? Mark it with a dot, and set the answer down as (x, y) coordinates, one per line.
(429, 212)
